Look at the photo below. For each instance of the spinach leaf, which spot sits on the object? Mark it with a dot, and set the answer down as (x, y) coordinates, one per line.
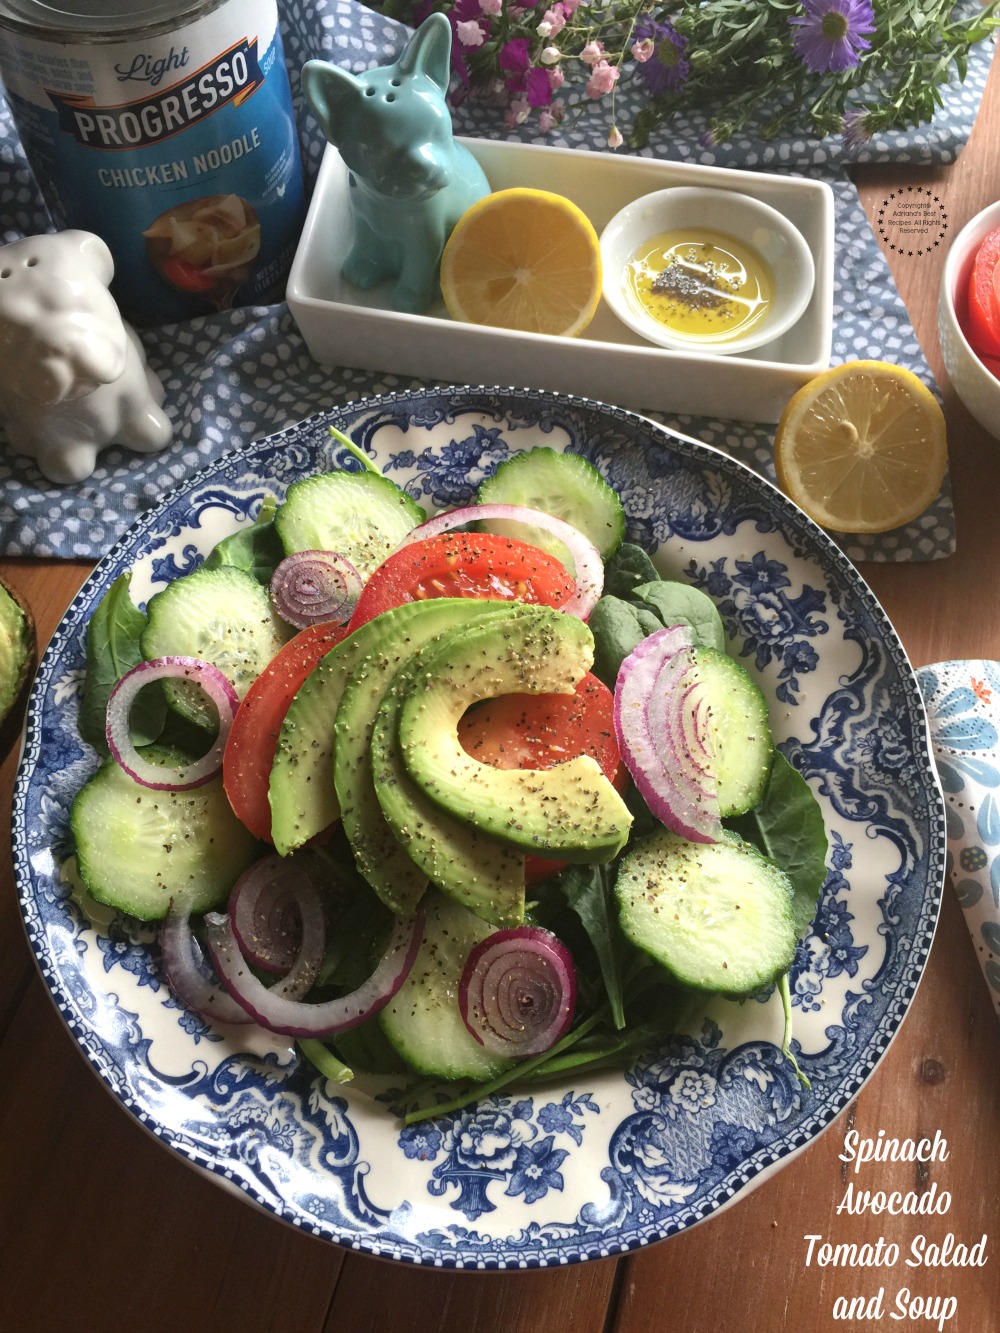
(617, 627)
(112, 649)
(619, 624)
(627, 569)
(588, 892)
(681, 604)
(367, 1047)
(256, 549)
(787, 826)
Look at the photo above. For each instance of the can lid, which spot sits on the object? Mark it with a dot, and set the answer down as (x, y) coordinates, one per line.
(98, 20)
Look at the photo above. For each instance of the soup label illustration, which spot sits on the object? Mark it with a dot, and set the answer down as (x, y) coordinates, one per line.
(170, 133)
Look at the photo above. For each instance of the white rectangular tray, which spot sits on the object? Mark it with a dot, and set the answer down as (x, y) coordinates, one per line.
(343, 326)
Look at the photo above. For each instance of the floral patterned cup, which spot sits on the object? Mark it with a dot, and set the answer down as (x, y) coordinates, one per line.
(963, 704)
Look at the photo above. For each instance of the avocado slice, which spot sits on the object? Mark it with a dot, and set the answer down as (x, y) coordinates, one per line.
(477, 871)
(379, 854)
(571, 811)
(301, 792)
(18, 657)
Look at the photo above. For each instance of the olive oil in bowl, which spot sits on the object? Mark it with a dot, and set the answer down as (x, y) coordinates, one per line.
(703, 286)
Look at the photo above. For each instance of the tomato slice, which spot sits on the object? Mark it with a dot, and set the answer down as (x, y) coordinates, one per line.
(982, 326)
(542, 730)
(253, 737)
(464, 564)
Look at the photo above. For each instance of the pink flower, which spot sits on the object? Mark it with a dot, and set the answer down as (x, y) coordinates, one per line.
(557, 77)
(550, 117)
(592, 53)
(603, 78)
(469, 33)
(553, 22)
(641, 51)
(570, 6)
(615, 139)
(517, 113)
(491, 8)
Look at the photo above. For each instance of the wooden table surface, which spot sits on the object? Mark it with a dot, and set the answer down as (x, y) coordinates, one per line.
(103, 1229)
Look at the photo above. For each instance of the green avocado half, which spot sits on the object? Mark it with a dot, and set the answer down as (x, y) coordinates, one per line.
(571, 811)
(18, 658)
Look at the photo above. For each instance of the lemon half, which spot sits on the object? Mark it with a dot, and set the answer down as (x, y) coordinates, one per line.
(523, 259)
(862, 447)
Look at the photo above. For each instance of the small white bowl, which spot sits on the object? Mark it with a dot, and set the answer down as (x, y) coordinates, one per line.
(978, 389)
(758, 226)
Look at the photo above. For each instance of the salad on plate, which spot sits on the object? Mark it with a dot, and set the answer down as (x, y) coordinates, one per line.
(460, 801)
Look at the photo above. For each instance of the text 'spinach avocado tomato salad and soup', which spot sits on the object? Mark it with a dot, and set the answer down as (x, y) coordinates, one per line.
(467, 806)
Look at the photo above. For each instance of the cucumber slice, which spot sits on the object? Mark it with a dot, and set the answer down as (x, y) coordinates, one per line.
(566, 486)
(740, 732)
(221, 615)
(361, 515)
(422, 1021)
(718, 916)
(138, 849)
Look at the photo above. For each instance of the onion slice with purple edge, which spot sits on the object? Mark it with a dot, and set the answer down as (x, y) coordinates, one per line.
(121, 698)
(189, 976)
(662, 731)
(314, 588)
(274, 907)
(589, 567)
(517, 995)
(297, 1018)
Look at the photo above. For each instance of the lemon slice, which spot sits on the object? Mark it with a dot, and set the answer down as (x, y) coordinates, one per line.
(523, 259)
(862, 447)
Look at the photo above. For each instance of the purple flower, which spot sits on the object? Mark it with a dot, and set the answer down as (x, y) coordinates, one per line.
(666, 69)
(856, 129)
(833, 33)
(515, 57)
(538, 86)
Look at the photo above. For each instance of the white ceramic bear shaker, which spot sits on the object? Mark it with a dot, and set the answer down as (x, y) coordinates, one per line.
(73, 374)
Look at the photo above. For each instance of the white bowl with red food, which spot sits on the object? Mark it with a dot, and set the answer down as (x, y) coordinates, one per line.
(969, 317)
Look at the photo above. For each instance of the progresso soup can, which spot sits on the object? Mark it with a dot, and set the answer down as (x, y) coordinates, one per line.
(166, 127)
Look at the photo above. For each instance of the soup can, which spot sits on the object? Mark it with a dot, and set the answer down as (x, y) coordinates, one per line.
(166, 127)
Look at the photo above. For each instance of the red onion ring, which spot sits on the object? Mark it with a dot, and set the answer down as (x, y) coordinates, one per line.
(589, 567)
(296, 1018)
(662, 731)
(315, 587)
(188, 975)
(274, 907)
(120, 701)
(517, 995)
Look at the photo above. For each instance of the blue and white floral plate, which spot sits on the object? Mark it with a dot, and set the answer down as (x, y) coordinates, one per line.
(609, 1162)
